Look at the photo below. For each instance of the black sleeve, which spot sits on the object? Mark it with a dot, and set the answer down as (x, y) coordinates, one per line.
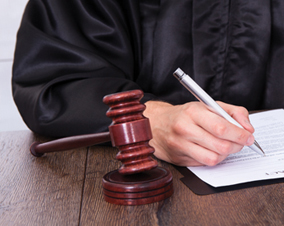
(69, 54)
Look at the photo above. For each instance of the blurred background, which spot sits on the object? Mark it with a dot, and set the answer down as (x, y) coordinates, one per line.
(11, 12)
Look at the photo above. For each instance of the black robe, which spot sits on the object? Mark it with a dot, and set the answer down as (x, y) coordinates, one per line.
(69, 54)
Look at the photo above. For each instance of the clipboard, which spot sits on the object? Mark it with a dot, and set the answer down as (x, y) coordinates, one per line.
(199, 187)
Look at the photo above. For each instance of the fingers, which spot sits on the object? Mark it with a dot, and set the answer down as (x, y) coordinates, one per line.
(215, 143)
(224, 130)
(190, 134)
(240, 114)
(209, 137)
(192, 154)
(192, 141)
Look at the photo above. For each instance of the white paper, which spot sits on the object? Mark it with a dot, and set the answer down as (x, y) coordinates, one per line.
(247, 165)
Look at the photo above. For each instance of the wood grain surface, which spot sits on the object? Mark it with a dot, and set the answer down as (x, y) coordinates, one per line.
(66, 189)
(39, 191)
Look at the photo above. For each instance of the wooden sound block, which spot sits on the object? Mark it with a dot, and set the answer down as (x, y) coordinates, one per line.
(138, 189)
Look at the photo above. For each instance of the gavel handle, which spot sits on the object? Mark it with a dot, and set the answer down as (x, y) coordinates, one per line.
(38, 149)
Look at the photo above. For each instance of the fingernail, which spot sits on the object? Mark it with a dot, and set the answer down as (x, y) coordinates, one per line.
(250, 140)
(247, 122)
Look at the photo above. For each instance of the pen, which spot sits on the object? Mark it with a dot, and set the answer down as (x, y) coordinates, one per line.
(203, 97)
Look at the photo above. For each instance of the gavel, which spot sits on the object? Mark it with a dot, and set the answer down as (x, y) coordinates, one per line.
(139, 180)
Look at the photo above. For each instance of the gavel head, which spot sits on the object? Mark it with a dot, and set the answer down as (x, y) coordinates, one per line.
(130, 131)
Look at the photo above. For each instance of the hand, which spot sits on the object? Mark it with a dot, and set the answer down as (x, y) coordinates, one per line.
(191, 135)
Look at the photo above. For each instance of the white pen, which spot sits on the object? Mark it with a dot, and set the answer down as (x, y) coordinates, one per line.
(203, 97)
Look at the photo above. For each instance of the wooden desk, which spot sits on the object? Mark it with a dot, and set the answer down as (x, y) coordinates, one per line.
(65, 189)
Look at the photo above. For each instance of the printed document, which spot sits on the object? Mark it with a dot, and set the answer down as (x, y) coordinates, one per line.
(247, 165)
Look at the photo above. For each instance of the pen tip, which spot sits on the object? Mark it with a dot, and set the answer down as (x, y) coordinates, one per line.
(258, 146)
